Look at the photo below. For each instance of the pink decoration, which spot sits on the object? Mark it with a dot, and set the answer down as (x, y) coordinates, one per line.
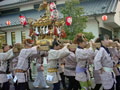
(52, 6)
(54, 15)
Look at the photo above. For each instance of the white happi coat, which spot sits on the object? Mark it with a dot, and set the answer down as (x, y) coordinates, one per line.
(61, 67)
(70, 65)
(53, 61)
(103, 59)
(119, 54)
(3, 64)
(82, 57)
(115, 57)
(23, 63)
(14, 62)
(96, 73)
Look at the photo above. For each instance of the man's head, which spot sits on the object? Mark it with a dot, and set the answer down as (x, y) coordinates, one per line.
(105, 42)
(28, 43)
(17, 47)
(81, 40)
(6, 47)
(56, 45)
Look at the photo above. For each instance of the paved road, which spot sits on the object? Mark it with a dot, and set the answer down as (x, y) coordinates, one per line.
(32, 88)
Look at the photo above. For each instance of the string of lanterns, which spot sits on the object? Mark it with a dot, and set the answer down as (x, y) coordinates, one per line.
(53, 16)
(23, 21)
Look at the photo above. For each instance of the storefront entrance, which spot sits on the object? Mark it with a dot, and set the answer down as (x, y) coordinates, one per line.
(105, 31)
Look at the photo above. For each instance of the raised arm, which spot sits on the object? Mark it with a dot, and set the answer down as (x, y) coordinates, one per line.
(58, 54)
(5, 56)
(97, 59)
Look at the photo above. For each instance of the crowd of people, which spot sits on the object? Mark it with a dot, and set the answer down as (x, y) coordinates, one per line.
(63, 62)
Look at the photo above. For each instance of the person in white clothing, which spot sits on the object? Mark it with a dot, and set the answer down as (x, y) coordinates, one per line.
(40, 74)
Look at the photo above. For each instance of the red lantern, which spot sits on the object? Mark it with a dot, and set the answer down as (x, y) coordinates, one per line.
(104, 17)
(68, 20)
(52, 6)
(8, 23)
(23, 20)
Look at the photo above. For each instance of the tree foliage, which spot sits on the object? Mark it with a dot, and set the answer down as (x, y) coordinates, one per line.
(72, 8)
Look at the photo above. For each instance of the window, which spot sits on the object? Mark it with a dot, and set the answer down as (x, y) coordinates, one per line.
(106, 32)
(13, 37)
(3, 39)
(10, 11)
(23, 36)
(36, 6)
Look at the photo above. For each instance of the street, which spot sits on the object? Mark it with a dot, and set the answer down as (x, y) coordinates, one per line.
(32, 88)
(40, 88)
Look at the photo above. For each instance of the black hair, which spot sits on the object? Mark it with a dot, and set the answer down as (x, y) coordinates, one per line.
(55, 43)
(4, 45)
(98, 40)
(101, 38)
(11, 46)
(100, 35)
(116, 40)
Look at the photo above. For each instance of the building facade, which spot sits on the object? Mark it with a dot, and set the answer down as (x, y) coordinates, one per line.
(94, 9)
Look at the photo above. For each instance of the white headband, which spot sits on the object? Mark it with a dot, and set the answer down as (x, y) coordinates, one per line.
(29, 44)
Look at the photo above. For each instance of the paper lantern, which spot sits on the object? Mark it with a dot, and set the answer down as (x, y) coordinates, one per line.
(68, 20)
(23, 20)
(104, 17)
(8, 23)
(52, 6)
